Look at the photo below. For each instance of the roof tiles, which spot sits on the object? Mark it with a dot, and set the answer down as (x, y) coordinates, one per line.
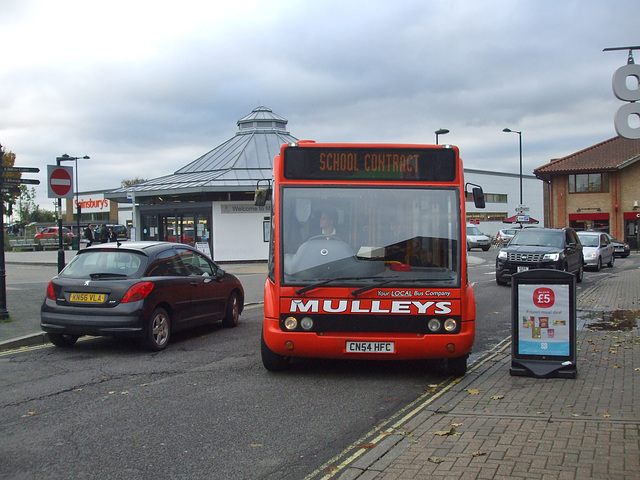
(613, 154)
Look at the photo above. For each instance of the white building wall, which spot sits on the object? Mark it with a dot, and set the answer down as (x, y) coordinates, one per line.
(125, 213)
(239, 231)
(509, 184)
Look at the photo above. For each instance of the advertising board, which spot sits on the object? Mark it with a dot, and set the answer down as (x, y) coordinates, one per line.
(543, 324)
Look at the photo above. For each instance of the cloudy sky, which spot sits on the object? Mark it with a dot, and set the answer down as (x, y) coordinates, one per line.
(146, 86)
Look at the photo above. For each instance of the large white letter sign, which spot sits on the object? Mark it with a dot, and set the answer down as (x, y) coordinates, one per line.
(622, 91)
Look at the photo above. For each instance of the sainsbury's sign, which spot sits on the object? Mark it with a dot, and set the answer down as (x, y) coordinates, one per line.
(93, 204)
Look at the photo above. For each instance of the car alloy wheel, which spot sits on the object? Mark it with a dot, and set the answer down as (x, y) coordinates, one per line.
(233, 311)
(158, 330)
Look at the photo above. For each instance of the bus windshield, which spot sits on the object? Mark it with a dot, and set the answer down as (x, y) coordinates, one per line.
(364, 235)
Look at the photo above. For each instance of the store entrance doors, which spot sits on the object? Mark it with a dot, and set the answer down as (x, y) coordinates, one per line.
(187, 228)
(631, 232)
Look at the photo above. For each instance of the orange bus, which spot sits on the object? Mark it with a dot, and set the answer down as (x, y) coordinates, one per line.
(367, 256)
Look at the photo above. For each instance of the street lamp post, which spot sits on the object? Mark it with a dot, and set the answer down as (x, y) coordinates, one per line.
(59, 160)
(508, 130)
(440, 131)
(4, 313)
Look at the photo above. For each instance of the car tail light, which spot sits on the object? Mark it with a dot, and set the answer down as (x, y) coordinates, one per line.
(137, 292)
(50, 294)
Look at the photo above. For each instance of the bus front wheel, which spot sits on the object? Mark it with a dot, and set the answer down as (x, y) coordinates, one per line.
(271, 360)
(457, 366)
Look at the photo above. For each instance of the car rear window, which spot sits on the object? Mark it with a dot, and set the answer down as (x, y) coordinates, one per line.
(109, 262)
(590, 240)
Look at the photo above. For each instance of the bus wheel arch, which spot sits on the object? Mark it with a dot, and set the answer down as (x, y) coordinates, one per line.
(271, 360)
(457, 366)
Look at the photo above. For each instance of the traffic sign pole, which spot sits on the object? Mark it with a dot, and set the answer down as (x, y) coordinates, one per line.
(10, 186)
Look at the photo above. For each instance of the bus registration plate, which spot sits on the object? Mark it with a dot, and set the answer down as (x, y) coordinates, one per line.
(371, 347)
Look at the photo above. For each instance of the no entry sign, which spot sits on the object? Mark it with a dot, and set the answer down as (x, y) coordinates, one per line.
(60, 184)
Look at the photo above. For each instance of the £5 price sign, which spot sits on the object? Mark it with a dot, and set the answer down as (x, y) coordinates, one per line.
(544, 297)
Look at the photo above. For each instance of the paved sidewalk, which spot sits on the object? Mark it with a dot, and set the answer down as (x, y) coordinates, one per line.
(490, 425)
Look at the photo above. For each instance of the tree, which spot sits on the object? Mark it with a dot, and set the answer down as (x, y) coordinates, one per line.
(9, 199)
(130, 183)
(29, 210)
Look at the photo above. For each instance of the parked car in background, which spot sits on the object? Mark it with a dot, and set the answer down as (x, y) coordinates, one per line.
(597, 250)
(620, 249)
(477, 239)
(505, 235)
(101, 232)
(138, 289)
(52, 232)
(556, 248)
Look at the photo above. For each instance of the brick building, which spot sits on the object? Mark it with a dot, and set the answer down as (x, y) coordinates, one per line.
(597, 188)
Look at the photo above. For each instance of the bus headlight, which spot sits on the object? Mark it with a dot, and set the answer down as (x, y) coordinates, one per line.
(290, 323)
(450, 324)
(434, 325)
(306, 323)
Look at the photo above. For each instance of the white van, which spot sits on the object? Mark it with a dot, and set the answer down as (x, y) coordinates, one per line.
(477, 239)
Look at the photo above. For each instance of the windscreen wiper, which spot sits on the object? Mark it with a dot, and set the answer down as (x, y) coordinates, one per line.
(95, 276)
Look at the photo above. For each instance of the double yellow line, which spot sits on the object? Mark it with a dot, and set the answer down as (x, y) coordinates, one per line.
(331, 468)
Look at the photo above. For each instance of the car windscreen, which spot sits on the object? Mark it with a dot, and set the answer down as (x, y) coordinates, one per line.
(106, 262)
(538, 238)
(474, 231)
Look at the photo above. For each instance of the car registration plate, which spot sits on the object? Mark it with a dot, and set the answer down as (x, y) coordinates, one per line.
(371, 347)
(523, 269)
(87, 297)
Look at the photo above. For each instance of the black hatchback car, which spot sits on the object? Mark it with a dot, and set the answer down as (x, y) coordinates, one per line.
(141, 289)
(556, 248)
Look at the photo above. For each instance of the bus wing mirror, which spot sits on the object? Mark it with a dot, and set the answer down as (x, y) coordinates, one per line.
(478, 195)
(260, 197)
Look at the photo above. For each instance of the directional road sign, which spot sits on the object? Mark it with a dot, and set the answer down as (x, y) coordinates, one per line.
(60, 184)
(20, 169)
(18, 181)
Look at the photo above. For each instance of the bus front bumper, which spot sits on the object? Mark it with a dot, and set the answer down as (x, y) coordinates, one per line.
(369, 346)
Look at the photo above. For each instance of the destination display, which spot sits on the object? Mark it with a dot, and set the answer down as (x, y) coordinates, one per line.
(381, 164)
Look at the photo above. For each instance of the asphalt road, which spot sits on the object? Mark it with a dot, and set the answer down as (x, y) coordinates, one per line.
(205, 408)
